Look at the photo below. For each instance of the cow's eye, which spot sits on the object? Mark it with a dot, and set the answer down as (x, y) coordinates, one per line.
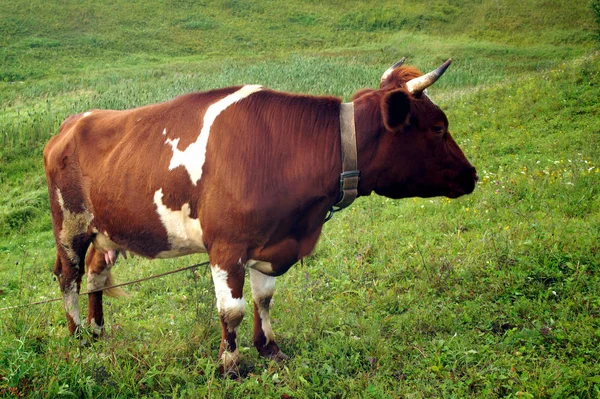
(439, 129)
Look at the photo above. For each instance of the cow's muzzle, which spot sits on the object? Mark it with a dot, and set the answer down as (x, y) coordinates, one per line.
(467, 179)
(465, 182)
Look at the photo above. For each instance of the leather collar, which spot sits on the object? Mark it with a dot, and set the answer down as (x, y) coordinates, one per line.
(350, 175)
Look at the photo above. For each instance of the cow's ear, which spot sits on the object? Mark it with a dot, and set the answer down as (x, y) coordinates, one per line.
(395, 109)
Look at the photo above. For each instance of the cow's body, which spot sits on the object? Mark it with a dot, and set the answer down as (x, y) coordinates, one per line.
(244, 173)
(149, 197)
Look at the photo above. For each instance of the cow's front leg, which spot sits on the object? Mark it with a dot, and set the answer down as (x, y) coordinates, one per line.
(263, 287)
(229, 284)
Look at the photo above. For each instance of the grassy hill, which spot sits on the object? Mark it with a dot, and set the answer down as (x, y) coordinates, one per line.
(41, 39)
(492, 295)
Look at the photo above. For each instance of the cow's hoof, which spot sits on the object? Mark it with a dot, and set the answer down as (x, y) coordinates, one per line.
(77, 331)
(272, 352)
(95, 330)
(74, 328)
(232, 373)
(230, 365)
(278, 357)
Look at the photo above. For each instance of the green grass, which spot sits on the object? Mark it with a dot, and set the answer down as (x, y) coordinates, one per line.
(493, 295)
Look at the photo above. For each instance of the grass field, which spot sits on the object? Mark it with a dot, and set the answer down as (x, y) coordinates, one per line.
(493, 295)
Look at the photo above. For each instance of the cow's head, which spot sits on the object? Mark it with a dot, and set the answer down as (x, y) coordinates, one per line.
(413, 153)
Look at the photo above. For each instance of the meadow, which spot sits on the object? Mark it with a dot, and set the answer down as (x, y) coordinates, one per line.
(493, 295)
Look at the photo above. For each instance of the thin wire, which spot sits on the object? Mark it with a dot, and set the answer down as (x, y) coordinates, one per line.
(112, 286)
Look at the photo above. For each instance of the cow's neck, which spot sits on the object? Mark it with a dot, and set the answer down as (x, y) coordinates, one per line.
(368, 124)
(356, 154)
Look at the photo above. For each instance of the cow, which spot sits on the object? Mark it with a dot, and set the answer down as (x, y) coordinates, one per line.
(246, 174)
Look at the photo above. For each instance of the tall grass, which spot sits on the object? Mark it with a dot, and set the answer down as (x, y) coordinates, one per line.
(595, 5)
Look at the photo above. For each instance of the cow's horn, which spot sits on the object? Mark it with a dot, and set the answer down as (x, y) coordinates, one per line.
(390, 69)
(419, 84)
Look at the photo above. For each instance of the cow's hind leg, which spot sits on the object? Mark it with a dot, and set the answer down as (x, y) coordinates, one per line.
(97, 275)
(69, 279)
(228, 278)
(69, 272)
(71, 221)
(263, 287)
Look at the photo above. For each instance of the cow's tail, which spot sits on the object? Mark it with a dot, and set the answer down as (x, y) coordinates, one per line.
(113, 292)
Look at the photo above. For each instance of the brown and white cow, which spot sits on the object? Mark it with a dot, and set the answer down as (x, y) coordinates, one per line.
(246, 174)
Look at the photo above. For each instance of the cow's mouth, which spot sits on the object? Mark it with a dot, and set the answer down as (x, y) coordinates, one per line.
(463, 184)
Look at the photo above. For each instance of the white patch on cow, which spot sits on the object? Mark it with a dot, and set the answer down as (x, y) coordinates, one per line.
(164, 131)
(71, 302)
(184, 233)
(230, 309)
(96, 281)
(193, 157)
(73, 225)
(264, 267)
(263, 287)
(87, 113)
(96, 329)
(230, 360)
